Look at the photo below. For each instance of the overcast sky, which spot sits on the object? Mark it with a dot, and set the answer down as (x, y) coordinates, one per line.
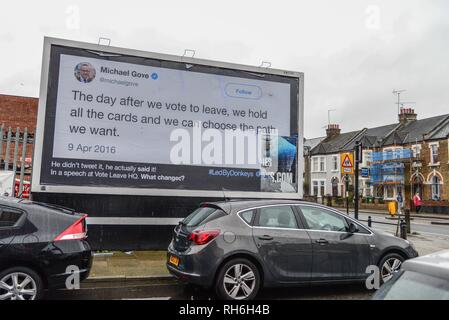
(353, 53)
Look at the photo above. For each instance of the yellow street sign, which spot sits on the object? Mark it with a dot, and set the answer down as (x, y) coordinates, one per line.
(347, 163)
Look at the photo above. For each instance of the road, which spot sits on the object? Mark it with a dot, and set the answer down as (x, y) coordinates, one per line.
(420, 225)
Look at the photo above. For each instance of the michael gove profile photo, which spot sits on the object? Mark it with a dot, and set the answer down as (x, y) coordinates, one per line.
(84, 72)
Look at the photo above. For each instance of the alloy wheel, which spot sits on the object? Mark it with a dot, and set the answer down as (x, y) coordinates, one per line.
(17, 286)
(239, 281)
(389, 267)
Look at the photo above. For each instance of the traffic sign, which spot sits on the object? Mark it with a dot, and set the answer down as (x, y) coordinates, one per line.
(364, 172)
(347, 163)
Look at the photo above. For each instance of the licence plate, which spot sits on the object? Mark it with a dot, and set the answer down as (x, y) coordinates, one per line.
(173, 260)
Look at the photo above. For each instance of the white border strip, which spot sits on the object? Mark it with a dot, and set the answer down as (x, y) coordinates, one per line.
(133, 221)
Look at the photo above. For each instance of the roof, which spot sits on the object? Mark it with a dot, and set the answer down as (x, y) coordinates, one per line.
(312, 143)
(434, 264)
(334, 144)
(425, 129)
(441, 131)
(415, 130)
(372, 137)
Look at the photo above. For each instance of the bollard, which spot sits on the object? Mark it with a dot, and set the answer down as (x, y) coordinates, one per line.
(407, 219)
(370, 222)
(403, 229)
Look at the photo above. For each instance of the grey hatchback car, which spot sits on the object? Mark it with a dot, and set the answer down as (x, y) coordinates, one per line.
(239, 246)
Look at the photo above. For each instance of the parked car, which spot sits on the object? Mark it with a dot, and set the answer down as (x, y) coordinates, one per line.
(239, 246)
(423, 278)
(41, 245)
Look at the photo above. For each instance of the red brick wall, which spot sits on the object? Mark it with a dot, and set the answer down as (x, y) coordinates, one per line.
(18, 112)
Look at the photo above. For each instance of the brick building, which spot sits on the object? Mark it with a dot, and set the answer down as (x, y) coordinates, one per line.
(17, 113)
(425, 170)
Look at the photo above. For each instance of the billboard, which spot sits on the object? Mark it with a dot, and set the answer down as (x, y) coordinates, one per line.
(119, 121)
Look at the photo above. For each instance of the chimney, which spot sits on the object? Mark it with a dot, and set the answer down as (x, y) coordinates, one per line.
(332, 130)
(407, 115)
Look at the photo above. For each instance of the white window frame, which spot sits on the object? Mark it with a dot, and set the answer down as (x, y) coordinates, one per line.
(319, 183)
(335, 158)
(431, 144)
(322, 161)
(415, 148)
(365, 155)
(395, 192)
(317, 160)
(434, 186)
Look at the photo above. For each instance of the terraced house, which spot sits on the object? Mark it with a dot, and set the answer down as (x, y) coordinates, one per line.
(407, 157)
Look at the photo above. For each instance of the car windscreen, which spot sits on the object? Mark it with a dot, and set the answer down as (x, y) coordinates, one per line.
(202, 215)
(411, 285)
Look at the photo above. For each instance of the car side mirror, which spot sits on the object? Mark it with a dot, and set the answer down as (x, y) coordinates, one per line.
(353, 228)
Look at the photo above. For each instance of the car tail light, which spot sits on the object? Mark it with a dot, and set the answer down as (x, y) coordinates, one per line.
(204, 236)
(77, 231)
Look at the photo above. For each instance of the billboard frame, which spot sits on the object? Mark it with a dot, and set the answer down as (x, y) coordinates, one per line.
(36, 185)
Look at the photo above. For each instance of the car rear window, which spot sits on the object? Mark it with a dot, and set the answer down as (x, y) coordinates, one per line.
(202, 215)
(9, 217)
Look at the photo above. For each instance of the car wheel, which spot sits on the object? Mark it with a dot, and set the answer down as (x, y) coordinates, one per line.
(20, 283)
(238, 279)
(389, 265)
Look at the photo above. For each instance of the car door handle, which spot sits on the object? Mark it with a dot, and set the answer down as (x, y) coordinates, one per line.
(322, 241)
(265, 237)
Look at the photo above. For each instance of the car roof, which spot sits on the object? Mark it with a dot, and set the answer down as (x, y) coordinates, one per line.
(434, 264)
(9, 200)
(233, 206)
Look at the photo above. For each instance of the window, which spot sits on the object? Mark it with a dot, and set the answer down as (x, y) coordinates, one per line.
(321, 219)
(247, 216)
(389, 192)
(334, 163)
(433, 153)
(9, 217)
(277, 217)
(203, 215)
(315, 188)
(318, 164)
(315, 164)
(366, 154)
(319, 188)
(436, 188)
(416, 151)
(322, 164)
(322, 188)
(334, 182)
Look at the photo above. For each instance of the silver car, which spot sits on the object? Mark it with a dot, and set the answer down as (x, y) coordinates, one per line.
(423, 278)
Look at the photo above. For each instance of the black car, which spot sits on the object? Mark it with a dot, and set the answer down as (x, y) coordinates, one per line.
(41, 245)
(240, 246)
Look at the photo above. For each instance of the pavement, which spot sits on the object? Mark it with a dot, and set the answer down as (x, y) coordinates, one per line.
(421, 215)
(135, 264)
